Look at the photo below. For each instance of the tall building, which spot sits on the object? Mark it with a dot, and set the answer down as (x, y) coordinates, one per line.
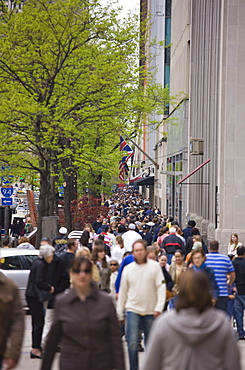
(207, 64)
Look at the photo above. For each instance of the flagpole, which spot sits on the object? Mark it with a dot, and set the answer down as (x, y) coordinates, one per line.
(142, 151)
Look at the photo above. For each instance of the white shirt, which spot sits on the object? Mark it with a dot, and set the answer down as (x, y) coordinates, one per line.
(118, 252)
(129, 238)
(232, 249)
(142, 289)
(113, 279)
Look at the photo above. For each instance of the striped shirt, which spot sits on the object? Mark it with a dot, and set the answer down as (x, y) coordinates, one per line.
(222, 266)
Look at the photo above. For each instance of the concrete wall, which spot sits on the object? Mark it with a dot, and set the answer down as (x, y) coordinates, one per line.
(231, 150)
(180, 49)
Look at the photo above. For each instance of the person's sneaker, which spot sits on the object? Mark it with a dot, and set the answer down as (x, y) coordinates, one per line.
(141, 349)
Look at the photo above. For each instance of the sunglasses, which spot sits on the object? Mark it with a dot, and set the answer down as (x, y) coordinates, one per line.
(78, 271)
(113, 264)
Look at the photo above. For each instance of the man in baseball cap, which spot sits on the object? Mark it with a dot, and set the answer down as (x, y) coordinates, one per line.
(130, 237)
(60, 242)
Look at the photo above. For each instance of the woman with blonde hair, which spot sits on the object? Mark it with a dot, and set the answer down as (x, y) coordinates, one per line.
(233, 245)
(92, 235)
(118, 250)
(85, 252)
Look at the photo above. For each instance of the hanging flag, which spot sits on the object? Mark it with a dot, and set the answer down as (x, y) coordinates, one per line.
(123, 167)
(125, 147)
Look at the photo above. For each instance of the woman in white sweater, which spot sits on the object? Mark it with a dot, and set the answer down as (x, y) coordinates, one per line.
(118, 250)
(233, 245)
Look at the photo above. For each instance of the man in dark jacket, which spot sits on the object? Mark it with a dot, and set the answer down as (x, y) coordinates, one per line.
(60, 242)
(172, 243)
(188, 230)
(68, 256)
(96, 225)
(239, 304)
(59, 278)
(146, 235)
(11, 323)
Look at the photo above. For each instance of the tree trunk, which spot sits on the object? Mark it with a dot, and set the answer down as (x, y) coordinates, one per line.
(69, 196)
(43, 206)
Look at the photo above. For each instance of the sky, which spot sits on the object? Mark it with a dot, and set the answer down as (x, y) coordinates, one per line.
(126, 4)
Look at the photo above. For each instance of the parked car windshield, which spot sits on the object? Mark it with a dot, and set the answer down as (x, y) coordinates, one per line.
(31, 258)
(11, 263)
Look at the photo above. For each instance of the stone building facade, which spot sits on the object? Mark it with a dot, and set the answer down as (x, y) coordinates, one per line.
(207, 64)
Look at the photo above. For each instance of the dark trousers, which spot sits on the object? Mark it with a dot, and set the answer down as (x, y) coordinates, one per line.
(1, 360)
(222, 303)
(37, 316)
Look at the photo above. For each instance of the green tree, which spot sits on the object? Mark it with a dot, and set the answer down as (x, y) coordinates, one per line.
(69, 84)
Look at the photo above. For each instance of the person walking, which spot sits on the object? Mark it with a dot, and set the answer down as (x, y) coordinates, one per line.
(197, 260)
(130, 237)
(146, 235)
(118, 250)
(60, 242)
(96, 225)
(68, 256)
(114, 266)
(59, 278)
(11, 323)
(39, 278)
(239, 304)
(141, 305)
(223, 270)
(194, 335)
(99, 260)
(233, 245)
(175, 271)
(172, 243)
(188, 230)
(85, 321)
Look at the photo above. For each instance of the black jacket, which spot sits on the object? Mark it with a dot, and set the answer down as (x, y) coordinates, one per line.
(45, 275)
(239, 266)
(187, 232)
(171, 243)
(39, 275)
(58, 277)
(60, 244)
(168, 279)
(146, 236)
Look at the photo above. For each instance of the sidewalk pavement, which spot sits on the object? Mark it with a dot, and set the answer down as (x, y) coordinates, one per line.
(26, 363)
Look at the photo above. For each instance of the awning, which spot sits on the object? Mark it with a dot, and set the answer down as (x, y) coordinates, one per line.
(145, 181)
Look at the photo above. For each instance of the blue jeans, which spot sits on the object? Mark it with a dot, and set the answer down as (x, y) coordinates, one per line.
(239, 306)
(172, 302)
(170, 256)
(134, 323)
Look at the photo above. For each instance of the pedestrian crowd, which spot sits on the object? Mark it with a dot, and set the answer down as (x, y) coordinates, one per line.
(131, 275)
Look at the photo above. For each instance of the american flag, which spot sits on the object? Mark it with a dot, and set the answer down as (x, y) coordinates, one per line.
(123, 167)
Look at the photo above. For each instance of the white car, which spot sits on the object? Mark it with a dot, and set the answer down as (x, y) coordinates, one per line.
(16, 264)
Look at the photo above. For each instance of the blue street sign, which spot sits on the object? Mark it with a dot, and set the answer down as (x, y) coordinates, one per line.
(8, 179)
(7, 192)
(7, 201)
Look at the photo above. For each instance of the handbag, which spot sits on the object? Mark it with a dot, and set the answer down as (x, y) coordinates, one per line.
(42, 295)
(169, 295)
